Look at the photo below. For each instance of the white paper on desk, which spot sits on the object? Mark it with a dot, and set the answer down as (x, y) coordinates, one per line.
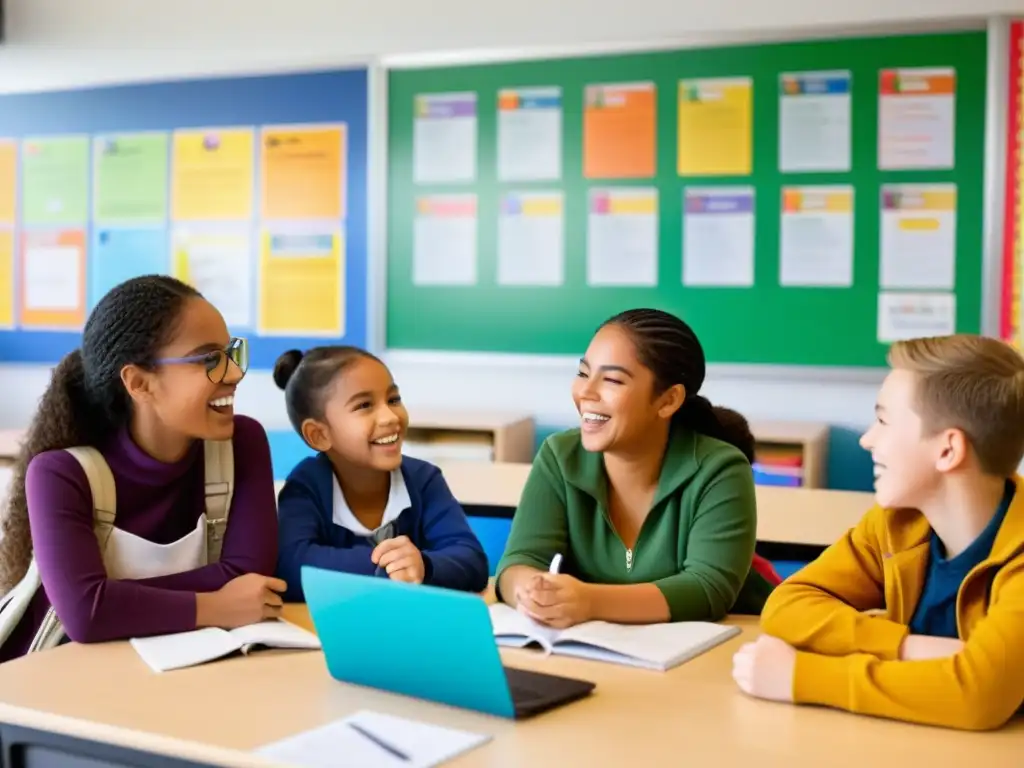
(335, 744)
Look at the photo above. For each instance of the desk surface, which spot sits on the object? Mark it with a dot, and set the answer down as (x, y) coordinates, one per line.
(691, 715)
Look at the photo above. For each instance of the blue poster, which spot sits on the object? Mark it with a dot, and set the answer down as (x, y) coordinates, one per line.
(121, 254)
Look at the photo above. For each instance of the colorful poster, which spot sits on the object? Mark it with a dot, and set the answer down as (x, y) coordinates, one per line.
(718, 236)
(530, 134)
(6, 278)
(814, 121)
(620, 131)
(218, 261)
(8, 181)
(917, 113)
(52, 279)
(913, 315)
(121, 254)
(531, 239)
(55, 180)
(130, 178)
(303, 172)
(716, 127)
(1013, 224)
(918, 246)
(444, 142)
(622, 237)
(817, 236)
(302, 283)
(212, 174)
(444, 240)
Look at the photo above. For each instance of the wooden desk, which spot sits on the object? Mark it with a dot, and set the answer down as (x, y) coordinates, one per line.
(692, 715)
(812, 516)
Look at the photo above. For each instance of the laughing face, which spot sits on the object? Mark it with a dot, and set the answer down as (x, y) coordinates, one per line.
(907, 462)
(615, 394)
(366, 420)
(193, 393)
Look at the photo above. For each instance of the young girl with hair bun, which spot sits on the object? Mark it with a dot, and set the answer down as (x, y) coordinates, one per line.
(359, 506)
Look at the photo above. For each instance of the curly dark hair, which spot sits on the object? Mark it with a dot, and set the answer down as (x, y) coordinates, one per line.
(670, 349)
(85, 401)
(307, 378)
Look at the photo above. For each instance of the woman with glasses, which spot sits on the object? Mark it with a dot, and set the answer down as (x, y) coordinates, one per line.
(152, 390)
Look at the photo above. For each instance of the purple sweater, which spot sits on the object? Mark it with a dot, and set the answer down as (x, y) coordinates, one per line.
(158, 502)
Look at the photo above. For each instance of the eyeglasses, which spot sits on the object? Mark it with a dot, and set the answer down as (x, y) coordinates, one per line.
(216, 361)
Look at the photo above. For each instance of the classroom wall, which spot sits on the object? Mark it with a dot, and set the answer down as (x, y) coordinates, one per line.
(53, 42)
(57, 44)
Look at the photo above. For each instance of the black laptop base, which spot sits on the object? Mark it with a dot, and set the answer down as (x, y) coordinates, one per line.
(536, 692)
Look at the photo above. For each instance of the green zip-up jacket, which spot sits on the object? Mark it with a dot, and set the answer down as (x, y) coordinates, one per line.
(696, 544)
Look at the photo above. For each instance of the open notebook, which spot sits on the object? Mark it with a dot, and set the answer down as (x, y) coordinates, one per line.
(652, 646)
(187, 649)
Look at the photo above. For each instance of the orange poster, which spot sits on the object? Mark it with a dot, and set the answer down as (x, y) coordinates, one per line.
(303, 170)
(51, 279)
(619, 131)
(6, 278)
(8, 179)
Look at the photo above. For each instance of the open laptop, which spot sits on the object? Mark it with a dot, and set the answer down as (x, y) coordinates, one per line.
(423, 641)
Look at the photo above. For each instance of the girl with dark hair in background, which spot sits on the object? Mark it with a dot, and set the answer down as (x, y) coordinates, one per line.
(359, 506)
(155, 378)
(650, 502)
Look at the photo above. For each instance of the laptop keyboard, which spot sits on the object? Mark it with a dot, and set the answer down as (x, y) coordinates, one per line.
(519, 684)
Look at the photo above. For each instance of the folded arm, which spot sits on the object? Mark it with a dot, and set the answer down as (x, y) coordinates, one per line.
(821, 608)
(453, 556)
(304, 540)
(250, 540)
(539, 529)
(979, 687)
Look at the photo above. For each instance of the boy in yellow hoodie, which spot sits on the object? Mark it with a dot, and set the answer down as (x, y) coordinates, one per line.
(917, 614)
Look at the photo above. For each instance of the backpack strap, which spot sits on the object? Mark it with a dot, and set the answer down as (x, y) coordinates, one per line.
(104, 512)
(104, 493)
(220, 486)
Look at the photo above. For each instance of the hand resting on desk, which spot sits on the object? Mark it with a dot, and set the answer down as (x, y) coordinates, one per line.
(242, 601)
(765, 668)
(562, 601)
(556, 600)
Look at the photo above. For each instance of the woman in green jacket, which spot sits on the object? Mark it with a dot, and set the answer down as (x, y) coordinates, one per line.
(649, 502)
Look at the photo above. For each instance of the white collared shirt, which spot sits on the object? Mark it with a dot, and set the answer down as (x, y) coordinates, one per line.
(398, 502)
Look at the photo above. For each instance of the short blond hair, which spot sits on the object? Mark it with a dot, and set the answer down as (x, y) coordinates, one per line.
(974, 384)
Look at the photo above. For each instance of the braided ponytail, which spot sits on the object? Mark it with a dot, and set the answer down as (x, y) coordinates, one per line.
(670, 349)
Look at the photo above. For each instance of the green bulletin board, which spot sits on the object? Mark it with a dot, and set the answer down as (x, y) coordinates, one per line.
(760, 323)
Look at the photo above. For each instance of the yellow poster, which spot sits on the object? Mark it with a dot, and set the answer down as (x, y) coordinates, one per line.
(716, 134)
(302, 284)
(303, 172)
(8, 180)
(212, 174)
(6, 278)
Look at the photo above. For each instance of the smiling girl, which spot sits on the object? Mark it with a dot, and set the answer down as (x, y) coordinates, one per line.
(650, 501)
(151, 391)
(359, 505)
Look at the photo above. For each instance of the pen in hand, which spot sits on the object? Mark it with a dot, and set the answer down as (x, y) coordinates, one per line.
(556, 563)
(389, 748)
